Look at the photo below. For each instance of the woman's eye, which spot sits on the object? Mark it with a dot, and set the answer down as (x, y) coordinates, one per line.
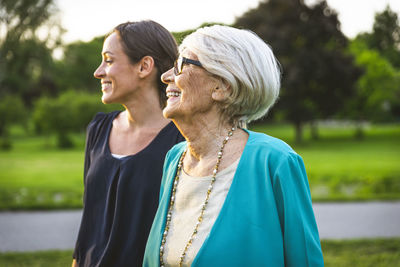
(108, 61)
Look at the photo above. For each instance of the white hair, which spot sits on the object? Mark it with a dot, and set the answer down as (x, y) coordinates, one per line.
(245, 61)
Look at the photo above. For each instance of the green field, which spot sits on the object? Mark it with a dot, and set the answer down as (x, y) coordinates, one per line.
(36, 175)
(362, 253)
(349, 253)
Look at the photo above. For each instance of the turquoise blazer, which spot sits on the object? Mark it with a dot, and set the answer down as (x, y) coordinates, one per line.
(267, 217)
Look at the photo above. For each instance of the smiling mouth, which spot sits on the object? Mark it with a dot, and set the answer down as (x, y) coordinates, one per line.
(173, 94)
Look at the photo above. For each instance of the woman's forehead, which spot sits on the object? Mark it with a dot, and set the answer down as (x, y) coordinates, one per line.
(188, 54)
(112, 43)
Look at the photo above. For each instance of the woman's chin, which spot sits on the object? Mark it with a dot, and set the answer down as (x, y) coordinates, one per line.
(107, 99)
(167, 113)
(170, 111)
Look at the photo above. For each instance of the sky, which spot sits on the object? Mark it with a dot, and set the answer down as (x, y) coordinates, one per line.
(87, 19)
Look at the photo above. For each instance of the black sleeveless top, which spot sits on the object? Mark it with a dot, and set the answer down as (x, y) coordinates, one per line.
(121, 196)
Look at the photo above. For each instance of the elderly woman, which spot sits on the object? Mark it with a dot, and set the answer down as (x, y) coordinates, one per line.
(229, 196)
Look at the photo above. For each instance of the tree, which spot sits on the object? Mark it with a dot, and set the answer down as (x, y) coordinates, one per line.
(75, 69)
(385, 36)
(26, 58)
(30, 71)
(317, 73)
(24, 17)
(385, 40)
(377, 88)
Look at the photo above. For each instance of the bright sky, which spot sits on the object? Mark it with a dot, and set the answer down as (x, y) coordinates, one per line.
(84, 20)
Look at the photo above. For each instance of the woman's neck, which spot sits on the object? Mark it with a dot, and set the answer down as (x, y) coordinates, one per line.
(137, 126)
(144, 111)
(204, 136)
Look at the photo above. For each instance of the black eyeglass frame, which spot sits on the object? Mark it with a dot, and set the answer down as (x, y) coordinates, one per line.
(178, 65)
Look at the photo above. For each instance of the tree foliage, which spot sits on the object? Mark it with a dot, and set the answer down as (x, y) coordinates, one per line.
(317, 73)
(30, 71)
(26, 44)
(385, 36)
(379, 53)
(22, 18)
(75, 70)
(376, 89)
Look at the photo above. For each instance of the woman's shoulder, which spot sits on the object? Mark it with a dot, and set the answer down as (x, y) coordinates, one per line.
(100, 118)
(99, 124)
(269, 144)
(265, 149)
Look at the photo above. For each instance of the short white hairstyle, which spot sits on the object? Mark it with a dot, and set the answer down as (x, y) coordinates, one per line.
(245, 62)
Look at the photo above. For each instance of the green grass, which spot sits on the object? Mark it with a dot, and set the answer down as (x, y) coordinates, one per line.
(349, 253)
(36, 175)
(36, 259)
(362, 253)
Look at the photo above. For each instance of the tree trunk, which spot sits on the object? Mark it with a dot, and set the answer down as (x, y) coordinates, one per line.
(314, 130)
(359, 134)
(299, 132)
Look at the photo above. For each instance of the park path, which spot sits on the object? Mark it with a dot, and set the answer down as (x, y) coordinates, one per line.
(32, 231)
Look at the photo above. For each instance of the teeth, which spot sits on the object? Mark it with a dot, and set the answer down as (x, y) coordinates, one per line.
(173, 94)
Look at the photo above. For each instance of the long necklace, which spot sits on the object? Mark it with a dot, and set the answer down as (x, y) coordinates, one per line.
(203, 208)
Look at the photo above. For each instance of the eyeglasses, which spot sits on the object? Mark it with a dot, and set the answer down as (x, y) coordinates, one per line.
(178, 65)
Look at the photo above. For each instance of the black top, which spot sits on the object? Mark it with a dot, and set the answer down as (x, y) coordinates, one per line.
(121, 196)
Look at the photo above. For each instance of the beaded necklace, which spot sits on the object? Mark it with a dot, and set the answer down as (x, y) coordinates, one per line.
(203, 208)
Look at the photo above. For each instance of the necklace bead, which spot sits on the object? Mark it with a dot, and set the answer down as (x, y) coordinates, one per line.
(203, 208)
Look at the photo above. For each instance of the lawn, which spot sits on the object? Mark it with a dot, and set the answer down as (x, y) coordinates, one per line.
(349, 253)
(36, 175)
(362, 253)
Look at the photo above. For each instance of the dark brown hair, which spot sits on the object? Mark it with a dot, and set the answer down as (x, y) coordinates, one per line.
(148, 38)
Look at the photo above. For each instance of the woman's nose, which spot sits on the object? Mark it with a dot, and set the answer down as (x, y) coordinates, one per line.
(99, 72)
(168, 76)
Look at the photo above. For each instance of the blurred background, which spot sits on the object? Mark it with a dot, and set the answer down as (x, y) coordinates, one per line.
(339, 105)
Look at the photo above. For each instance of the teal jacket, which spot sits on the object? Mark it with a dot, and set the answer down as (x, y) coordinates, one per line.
(267, 218)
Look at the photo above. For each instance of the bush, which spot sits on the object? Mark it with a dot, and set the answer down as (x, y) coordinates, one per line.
(70, 112)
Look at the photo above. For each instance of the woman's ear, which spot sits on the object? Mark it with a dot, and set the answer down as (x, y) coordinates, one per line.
(221, 91)
(145, 66)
